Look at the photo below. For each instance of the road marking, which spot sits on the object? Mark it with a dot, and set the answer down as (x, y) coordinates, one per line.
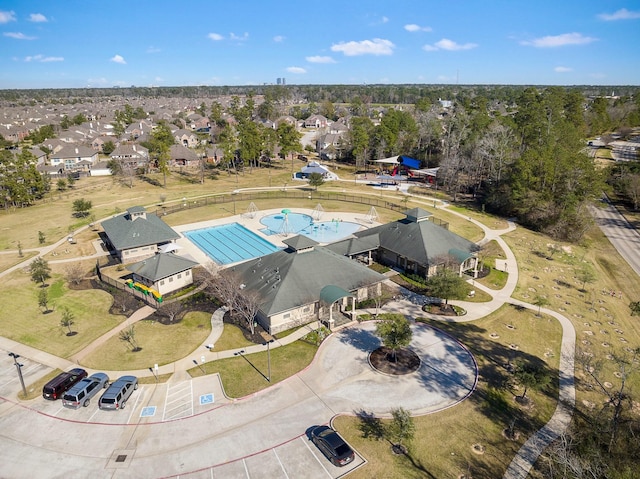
(314, 455)
(280, 462)
(206, 399)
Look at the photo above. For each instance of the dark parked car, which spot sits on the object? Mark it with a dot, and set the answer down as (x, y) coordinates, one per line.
(59, 385)
(332, 445)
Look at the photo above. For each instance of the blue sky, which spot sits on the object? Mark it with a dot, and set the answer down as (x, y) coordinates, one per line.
(80, 43)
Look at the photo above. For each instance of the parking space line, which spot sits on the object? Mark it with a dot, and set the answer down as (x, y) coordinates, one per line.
(314, 455)
(280, 462)
(246, 470)
(178, 398)
(135, 405)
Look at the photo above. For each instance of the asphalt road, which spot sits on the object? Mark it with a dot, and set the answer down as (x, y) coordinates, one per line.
(623, 236)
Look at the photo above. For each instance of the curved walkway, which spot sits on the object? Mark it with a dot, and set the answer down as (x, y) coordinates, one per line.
(526, 456)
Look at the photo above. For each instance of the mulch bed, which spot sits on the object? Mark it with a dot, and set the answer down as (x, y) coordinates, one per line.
(440, 309)
(406, 361)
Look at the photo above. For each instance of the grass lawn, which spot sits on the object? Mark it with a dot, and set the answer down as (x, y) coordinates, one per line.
(160, 343)
(244, 375)
(22, 320)
(435, 451)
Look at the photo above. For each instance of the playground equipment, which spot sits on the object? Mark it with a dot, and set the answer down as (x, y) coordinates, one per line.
(317, 212)
(144, 289)
(284, 229)
(372, 215)
(252, 210)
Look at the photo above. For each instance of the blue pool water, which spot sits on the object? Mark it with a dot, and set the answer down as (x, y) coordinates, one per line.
(301, 224)
(230, 243)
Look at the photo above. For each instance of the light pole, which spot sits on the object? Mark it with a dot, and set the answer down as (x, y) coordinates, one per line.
(154, 370)
(269, 360)
(19, 368)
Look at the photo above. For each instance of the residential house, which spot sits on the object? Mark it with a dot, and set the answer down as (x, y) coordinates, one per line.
(136, 234)
(183, 156)
(131, 155)
(316, 121)
(74, 158)
(186, 138)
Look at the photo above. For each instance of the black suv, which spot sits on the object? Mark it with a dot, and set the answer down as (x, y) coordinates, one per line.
(59, 385)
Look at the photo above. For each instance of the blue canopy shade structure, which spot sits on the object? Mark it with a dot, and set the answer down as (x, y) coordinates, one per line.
(409, 162)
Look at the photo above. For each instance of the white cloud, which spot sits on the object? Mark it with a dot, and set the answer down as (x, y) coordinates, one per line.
(215, 37)
(278, 38)
(377, 46)
(412, 27)
(6, 17)
(449, 45)
(385, 19)
(43, 59)
(38, 18)
(118, 59)
(320, 59)
(18, 36)
(446, 44)
(297, 70)
(239, 38)
(552, 41)
(562, 69)
(153, 49)
(622, 14)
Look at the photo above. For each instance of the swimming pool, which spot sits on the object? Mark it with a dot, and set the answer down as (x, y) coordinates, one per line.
(230, 243)
(301, 224)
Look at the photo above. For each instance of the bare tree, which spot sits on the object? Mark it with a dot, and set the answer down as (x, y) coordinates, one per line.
(619, 400)
(74, 273)
(248, 305)
(224, 284)
(67, 320)
(129, 336)
(498, 147)
(171, 310)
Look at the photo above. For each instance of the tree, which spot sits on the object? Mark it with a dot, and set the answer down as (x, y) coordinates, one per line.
(108, 147)
(159, 145)
(531, 376)
(171, 310)
(43, 300)
(62, 184)
(67, 320)
(41, 237)
(248, 305)
(540, 302)
(634, 306)
(40, 271)
(395, 333)
(315, 180)
(81, 207)
(128, 336)
(402, 428)
(586, 275)
(446, 284)
(74, 273)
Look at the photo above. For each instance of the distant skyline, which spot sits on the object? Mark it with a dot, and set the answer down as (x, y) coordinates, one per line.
(79, 43)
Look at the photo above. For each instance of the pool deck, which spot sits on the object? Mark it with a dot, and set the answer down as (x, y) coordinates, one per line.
(252, 222)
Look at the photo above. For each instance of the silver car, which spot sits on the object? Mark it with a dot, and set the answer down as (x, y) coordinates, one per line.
(82, 392)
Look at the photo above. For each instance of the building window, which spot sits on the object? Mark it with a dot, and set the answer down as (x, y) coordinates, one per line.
(161, 282)
(179, 275)
(170, 279)
(187, 273)
(286, 315)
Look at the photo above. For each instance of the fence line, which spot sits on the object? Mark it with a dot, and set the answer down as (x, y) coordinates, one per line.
(221, 199)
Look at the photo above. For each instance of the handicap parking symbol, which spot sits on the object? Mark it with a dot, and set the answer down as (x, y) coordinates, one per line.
(206, 399)
(149, 411)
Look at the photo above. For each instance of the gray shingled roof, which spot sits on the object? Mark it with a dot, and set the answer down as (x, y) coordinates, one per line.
(161, 266)
(125, 233)
(420, 241)
(288, 279)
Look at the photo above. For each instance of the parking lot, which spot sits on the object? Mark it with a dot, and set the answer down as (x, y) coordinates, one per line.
(188, 428)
